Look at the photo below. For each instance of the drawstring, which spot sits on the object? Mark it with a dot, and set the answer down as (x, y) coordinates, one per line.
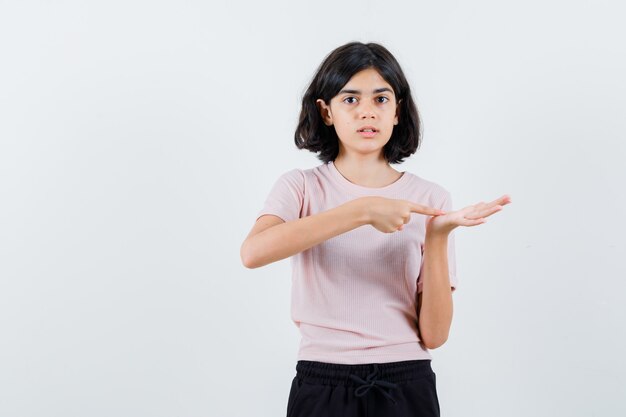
(373, 382)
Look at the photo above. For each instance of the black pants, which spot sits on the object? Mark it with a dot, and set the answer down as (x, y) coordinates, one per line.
(394, 389)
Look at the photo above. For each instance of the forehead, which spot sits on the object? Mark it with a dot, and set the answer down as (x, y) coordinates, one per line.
(367, 81)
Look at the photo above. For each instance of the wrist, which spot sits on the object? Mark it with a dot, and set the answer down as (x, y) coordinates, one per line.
(361, 211)
(438, 235)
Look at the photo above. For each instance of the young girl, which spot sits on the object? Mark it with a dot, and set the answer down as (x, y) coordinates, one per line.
(372, 248)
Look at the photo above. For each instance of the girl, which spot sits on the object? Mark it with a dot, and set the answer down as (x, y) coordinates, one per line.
(372, 248)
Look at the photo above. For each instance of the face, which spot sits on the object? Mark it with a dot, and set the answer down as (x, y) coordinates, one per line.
(366, 100)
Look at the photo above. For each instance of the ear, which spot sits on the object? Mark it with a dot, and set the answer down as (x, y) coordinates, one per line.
(325, 112)
(397, 118)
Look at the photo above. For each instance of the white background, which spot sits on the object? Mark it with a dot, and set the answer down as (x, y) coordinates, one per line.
(138, 140)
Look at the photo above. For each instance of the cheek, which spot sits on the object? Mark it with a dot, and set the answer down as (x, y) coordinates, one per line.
(343, 126)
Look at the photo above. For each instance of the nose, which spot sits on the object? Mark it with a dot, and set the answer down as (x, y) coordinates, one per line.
(366, 111)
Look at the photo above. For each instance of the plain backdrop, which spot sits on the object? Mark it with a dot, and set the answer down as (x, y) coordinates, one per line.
(138, 140)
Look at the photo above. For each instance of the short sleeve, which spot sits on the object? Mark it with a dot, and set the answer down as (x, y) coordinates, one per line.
(445, 205)
(286, 196)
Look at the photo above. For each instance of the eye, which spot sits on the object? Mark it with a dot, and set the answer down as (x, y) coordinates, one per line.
(384, 99)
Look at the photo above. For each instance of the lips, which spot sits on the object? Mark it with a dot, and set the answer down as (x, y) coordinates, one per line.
(367, 133)
(367, 129)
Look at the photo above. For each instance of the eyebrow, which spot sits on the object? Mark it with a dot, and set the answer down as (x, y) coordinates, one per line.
(378, 90)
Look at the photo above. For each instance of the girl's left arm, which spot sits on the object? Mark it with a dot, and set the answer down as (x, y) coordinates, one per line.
(434, 305)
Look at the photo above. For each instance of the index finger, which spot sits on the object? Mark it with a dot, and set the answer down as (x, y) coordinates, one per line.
(418, 208)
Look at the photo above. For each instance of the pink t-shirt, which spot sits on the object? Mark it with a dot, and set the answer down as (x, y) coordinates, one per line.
(354, 296)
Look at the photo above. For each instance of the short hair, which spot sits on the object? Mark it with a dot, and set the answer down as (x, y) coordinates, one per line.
(333, 74)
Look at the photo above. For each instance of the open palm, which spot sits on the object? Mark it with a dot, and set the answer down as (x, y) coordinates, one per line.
(468, 216)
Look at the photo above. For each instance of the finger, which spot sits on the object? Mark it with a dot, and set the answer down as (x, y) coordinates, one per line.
(418, 208)
(484, 212)
(501, 201)
(479, 206)
(474, 222)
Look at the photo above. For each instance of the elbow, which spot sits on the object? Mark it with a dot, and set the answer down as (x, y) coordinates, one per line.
(434, 341)
(434, 344)
(246, 256)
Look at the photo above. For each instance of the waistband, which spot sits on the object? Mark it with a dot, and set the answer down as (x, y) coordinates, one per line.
(364, 376)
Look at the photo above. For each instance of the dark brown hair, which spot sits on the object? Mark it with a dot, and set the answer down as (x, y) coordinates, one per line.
(332, 75)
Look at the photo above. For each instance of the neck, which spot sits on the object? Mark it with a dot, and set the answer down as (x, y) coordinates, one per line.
(367, 172)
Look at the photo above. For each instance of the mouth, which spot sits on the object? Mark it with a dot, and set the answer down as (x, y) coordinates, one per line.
(367, 131)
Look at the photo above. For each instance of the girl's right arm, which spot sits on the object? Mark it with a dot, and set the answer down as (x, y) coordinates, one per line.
(272, 239)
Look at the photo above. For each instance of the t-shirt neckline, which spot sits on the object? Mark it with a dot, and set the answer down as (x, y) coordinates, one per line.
(360, 189)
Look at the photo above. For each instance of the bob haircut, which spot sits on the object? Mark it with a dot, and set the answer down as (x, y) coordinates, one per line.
(332, 75)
